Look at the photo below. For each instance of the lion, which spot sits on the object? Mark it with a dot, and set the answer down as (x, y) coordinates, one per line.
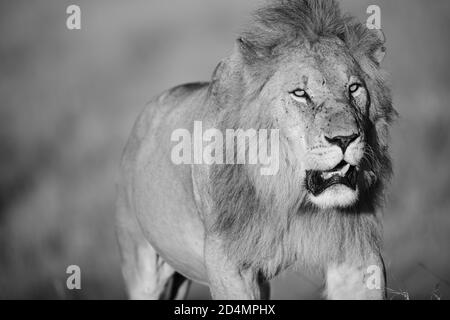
(313, 74)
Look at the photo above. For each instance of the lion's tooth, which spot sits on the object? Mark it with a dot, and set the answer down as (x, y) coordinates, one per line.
(328, 175)
(345, 170)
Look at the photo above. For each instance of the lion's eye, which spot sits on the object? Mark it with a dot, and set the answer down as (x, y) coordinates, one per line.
(355, 89)
(299, 95)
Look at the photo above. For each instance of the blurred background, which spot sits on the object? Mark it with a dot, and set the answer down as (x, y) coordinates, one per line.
(68, 100)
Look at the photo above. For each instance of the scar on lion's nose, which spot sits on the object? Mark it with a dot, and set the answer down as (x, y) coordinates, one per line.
(342, 141)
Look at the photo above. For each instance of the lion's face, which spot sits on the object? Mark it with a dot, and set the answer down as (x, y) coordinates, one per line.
(322, 108)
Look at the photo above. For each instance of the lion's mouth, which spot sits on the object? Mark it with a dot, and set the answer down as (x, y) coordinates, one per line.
(344, 174)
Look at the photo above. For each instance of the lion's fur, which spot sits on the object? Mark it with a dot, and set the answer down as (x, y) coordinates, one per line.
(266, 222)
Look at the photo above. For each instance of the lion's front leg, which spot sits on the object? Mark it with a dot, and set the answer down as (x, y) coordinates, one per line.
(226, 280)
(356, 280)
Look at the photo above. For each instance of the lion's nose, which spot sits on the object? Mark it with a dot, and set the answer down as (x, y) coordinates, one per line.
(342, 141)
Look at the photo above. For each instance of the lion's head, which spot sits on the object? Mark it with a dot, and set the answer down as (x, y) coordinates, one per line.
(315, 75)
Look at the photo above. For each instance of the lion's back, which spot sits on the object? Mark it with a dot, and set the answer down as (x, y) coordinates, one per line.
(156, 190)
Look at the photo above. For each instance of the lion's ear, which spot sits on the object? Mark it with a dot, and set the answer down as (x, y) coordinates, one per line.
(217, 73)
(379, 52)
(249, 51)
(225, 81)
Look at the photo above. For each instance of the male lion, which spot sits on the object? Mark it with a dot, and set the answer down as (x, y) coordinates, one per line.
(313, 74)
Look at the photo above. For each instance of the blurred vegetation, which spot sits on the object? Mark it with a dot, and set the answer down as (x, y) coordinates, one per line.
(69, 99)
